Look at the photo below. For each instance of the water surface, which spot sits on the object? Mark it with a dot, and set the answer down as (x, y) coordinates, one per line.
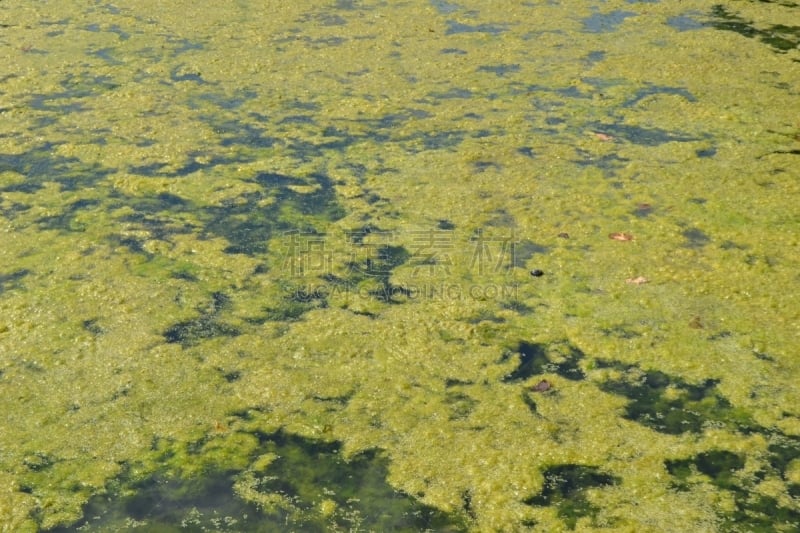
(269, 265)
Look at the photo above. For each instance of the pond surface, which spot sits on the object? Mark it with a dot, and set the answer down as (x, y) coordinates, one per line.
(455, 266)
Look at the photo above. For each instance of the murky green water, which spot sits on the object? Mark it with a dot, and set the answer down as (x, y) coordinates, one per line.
(457, 266)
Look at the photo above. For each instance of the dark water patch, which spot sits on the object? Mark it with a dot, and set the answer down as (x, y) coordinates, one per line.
(686, 22)
(459, 404)
(115, 29)
(526, 151)
(76, 87)
(454, 92)
(530, 403)
(566, 486)
(40, 165)
(455, 382)
(455, 51)
(231, 101)
(309, 151)
(313, 44)
(669, 404)
(340, 400)
(10, 210)
(444, 7)
(536, 359)
(572, 92)
(695, 238)
(376, 263)
(13, 279)
(177, 46)
(621, 332)
(323, 19)
(501, 219)
(454, 27)
(608, 163)
(195, 161)
(155, 204)
(499, 70)
(191, 332)
(706, 152)
(651, 90)
(356, 236)
(303, 474)
(180, 73)
(133, 244)
(248, 226)
(605, 22)
(160, 228)
(643, 136)
(93, 326)
(231, 376)
(306, 468)
(524, 250)
(479, 167)
(207, 325)
(731, 245)
(595, 56)
(780, 37)
(724, 470)
(643, 210)
(719, 465)
(485, 315)
(106, 54)
(295, 302)
(65, 220)
(149, 170)
(387, 258)
(38, 461)
(517, 306)
(445, 224)
(297, 119)
(782, 451)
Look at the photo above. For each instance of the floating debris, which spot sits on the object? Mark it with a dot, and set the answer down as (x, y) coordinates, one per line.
(638, 280)
(542, 386)
(619, 236)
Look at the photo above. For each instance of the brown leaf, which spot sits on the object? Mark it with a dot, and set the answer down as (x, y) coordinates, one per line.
(619, 236)
(542, 386)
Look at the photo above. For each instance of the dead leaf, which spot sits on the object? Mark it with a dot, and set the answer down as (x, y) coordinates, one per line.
(619, 236)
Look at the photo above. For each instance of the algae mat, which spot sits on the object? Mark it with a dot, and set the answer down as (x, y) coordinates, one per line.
(456, 266)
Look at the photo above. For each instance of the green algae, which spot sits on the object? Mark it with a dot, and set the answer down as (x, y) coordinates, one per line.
(322, 219)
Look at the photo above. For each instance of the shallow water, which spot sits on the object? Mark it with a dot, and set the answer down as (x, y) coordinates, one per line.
(370, 266)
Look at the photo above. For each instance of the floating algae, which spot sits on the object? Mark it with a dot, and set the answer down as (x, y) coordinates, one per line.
(275, 261)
